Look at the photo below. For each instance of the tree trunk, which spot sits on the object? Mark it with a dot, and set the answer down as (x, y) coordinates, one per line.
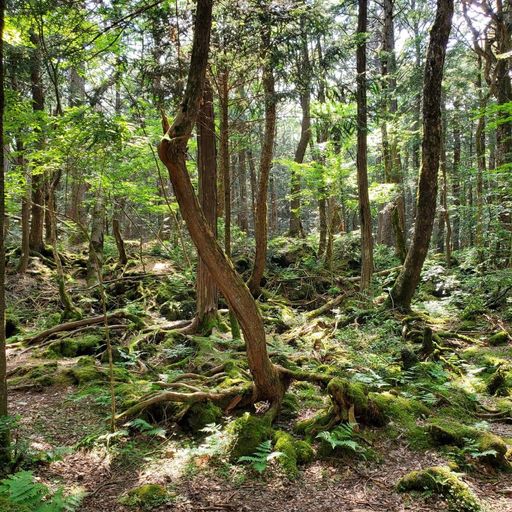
(267, 152)
(38, 181)
(481, 164)
(408, 279)
(254, 186)
(116, 231)
(25, 211)
(296, 228)
(243, 216)
(395, 214)
(207, 292)
(95, 258)
(172, 152)
(4, 432)
(456, 179)
(362, 147)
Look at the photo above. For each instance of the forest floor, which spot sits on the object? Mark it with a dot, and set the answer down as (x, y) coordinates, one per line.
(59, 387)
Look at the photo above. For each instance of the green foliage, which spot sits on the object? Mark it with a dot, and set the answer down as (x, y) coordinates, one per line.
(23, 493)
(261, 457)
(344, 437)
(145, 428)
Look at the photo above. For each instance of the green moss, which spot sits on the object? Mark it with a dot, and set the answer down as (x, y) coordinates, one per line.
(500, 382)
(446, 432)
(43, 375)
(305, 452)
(499, 338)
(147, 497)
(402, 414)
(284, 443)
(290, 405)
(7, 505)
(202, 414)
(442, 481)
(247, 433)
(87, 344)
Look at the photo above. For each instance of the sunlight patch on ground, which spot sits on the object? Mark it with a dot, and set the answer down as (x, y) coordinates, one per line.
(162, 266)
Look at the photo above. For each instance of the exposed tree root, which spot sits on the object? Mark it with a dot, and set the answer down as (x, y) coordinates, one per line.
(73, 326)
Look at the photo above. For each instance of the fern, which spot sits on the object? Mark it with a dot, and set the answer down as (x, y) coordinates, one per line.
(261, 457)
(145, 428)
(22, 490)
(343, 437)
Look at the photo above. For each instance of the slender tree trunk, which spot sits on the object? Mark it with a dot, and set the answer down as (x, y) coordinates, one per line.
(25, 211)
(116, 231)
(4, 432)
(408, 279)
(254, 185)
(395, 214)
(38, 180)
(444, 195)
(456, 179)
(296, 228)
(172, 152)
(95, 259)
(362, 148)
(243, 216)
(481, 164)
(267, 152)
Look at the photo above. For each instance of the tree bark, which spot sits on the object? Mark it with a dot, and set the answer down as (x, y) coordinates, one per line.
(296, 228)
(38, 180)
(267, 152)
(456, 178)
(243, 216)
(362, 147)
(207, 291)
(172, 152)
(95, 258)
(408, 279)
(4, 433)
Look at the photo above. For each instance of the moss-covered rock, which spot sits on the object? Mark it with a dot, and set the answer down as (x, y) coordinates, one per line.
(290, 406)
(248, 432)
(500, 382)
(147, 497)
(442, 481)
(403, 414)
(285, 444)
(446, 432)
(294, 452)
(499, 338)
(85, 371)
(201, 414)
(42, 375)
(86, 344)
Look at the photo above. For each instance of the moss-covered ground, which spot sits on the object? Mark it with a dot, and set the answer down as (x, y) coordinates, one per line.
(388, 407)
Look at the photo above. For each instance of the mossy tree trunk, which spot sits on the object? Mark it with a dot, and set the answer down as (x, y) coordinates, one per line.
(172, 152)
(405, 286)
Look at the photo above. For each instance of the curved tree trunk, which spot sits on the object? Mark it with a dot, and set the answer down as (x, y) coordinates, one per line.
(408, 279)
(172, 152)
